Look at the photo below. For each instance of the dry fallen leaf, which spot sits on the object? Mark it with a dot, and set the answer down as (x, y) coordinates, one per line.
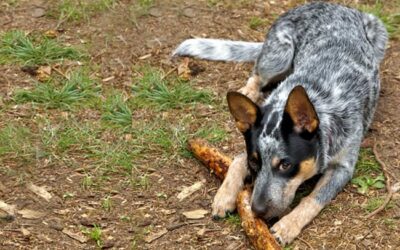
(76, 236)
(43, 73)
(40, 191)
(153, 236)
(187, 191)
(10, 209)
(50, 34)
(30, 214)
(195, 214)
(184, 71)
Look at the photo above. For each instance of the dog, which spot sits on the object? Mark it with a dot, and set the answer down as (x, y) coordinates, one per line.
(313, 122)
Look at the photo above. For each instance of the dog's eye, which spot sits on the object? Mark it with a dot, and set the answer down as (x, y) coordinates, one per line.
(284, 165)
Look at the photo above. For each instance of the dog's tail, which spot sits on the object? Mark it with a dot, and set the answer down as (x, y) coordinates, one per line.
(219, 50)
(376, 34)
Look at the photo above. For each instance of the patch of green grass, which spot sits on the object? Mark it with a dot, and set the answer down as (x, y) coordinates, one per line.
(367, 163)
(375, 202)
(390, 19)
(256, 22)
(233, 219)
(77, 90)
(17, 142)
(77, 10)
(212, 133)
(117, 111)
(142, 181)
(18, 47)
(95, 234)
(152, 90)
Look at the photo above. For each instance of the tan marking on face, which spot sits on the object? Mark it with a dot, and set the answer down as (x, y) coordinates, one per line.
(290, 226)
(255, 155)
(275, 162)
(307, 170)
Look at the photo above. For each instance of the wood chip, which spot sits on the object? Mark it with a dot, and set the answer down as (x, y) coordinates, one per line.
(145, 57)
(10, 209)
(76, 236)
(30, 214)
(195, 214)
(187, 191)
(25, 232)
(153, 236)
(40, 191)
(108, 79)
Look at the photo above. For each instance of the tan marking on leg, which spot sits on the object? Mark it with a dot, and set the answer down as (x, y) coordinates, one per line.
(252, 88)
(290, 226)
(225, 199)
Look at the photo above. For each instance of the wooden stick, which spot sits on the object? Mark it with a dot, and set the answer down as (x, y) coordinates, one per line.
(388, 184)
(255, 228)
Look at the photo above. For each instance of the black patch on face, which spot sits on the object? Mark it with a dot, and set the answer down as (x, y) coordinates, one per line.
(298, 146)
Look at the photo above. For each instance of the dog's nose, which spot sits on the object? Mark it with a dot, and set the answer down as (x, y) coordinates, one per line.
(260, 209)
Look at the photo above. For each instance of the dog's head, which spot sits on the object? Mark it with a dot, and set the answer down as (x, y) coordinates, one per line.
(281, 148)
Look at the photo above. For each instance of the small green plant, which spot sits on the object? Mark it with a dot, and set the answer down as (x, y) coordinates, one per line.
(18, 47)
(125, 218)
(151, 89)
(107, 204)
(95, 234)
(364, 183)
(142, 181)
(68, 195)
(87, 182)
(256, 22)
(76, 90)
(161, 195)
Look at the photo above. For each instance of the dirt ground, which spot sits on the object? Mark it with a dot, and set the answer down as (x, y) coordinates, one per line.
(118, 40)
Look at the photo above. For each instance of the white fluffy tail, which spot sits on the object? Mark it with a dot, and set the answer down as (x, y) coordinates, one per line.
(219, 50)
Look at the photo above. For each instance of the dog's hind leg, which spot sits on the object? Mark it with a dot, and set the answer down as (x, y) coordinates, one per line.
(275, 60)
(331, 183)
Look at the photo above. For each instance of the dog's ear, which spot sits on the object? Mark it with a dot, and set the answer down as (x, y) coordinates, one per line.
(301, 111)
(244, 110)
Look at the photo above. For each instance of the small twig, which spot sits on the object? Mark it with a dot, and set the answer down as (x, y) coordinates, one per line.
(305, 242)
(388, 184)
(60, 72)
(168, 73)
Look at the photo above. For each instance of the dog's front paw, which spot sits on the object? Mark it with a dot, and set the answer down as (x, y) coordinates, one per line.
(285, 231)
(224, 202)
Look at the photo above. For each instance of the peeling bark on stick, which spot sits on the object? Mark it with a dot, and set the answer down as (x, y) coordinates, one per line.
(255, 228)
